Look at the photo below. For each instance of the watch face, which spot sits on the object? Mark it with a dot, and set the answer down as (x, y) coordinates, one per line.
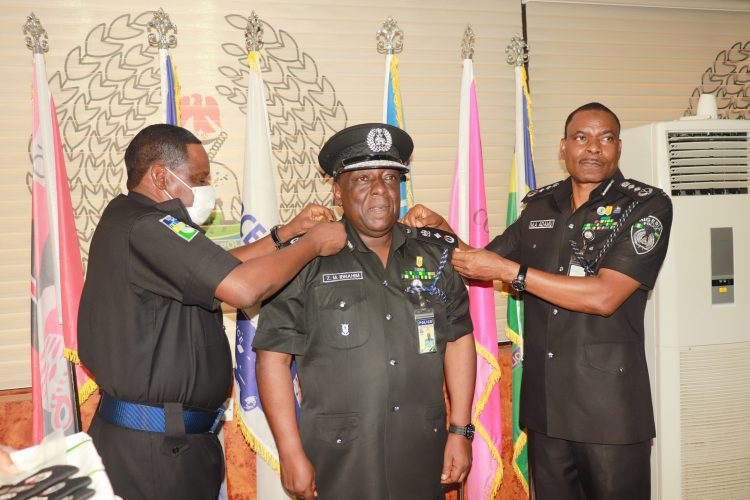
(518, 285)
(470, 431)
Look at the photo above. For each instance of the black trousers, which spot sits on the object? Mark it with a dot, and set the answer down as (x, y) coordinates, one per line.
(568, 470)
(142, 465)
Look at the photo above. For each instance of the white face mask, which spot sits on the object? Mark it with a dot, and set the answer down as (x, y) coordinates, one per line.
(204, 200)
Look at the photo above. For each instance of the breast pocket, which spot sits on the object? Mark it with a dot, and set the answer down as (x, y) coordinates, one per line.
(341, 315)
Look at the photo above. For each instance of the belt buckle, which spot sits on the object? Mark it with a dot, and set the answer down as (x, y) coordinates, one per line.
(217, 421)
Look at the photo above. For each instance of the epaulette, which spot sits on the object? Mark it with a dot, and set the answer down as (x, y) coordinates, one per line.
(432, 235)
(535, 193)
(637, 190)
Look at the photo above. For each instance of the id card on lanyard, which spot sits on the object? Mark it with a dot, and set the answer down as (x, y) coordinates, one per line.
(425, 319)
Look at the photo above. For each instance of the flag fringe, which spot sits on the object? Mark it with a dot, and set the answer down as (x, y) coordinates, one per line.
(479, 407)
(517, 449)
(514, 337)
(86, 390)
(254, 443)
(72, 356)
(89, 387)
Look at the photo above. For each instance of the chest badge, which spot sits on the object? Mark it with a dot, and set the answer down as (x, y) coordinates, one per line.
(418, 275)
(345, 329)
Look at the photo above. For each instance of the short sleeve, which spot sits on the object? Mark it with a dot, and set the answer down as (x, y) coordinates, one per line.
(281, 321)
(457, 308)
(641, 246)
(171, 259)
(508, 244)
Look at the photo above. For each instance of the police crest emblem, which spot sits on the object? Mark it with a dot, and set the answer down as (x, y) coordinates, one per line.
(379, 140)
(645, 234)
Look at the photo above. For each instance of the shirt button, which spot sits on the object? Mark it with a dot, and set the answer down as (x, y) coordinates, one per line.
(388, 317)
(533, 246)
(571, 226)
(554, 312)
(560, 269)
(385, 282)
(393, 362)
(550, 355)
(396, 408)
(338, 441)
(342, 304)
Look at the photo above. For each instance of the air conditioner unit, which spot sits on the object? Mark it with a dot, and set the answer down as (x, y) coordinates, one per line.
(698, 315)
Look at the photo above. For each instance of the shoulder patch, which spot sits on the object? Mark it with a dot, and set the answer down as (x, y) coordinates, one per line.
(535, 193)
(637, 190)
(179, 228)
(432, 236)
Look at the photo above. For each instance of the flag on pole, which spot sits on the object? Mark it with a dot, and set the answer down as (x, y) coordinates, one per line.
(468, 216)
(259, 215)
(170, 87)
(56, 274)
(522, 179)
(393, 114)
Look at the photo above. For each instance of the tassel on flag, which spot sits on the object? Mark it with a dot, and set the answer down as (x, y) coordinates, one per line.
(522, 180)
(393, 114)
(56, 270)
(468, 216)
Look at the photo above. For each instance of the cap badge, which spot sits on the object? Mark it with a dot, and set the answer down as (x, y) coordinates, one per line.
(379, 140)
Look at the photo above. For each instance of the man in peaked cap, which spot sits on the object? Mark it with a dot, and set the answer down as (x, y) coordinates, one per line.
(375, 330)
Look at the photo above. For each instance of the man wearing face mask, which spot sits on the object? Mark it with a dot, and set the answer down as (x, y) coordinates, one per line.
(150, 326)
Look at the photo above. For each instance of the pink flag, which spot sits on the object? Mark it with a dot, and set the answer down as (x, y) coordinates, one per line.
(56, 274)
(468, 216)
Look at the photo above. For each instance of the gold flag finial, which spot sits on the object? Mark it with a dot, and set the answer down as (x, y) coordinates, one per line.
(159, 31)
(517, 51)
(253, 33)
(36, 35)
(390, 37)
(467, 44)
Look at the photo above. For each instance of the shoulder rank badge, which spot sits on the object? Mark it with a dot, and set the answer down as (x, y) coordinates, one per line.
(433, 236)
(179, 228)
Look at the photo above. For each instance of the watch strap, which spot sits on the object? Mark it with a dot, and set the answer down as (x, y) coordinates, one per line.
(275, 237)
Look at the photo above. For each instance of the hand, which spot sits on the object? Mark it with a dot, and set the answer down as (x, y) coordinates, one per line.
(421, 216)
(310, 216)
(329, 237)
(456, 459)
(483, 265)
(6, 463)
(298, 476)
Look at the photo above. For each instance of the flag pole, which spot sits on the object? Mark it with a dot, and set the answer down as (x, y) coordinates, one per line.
(36, 41)
(522, 179)
(161, 34)
(390, 40)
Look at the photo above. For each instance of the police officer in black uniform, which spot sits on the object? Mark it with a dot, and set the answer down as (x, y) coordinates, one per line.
(586, 251)
(150, 326)
(375, 330)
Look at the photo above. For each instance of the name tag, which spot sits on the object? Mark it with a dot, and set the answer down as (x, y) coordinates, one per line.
(350, 276)
(542, 224)
(425, 318)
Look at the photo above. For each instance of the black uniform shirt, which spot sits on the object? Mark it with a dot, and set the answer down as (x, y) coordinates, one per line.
(585, 376)
(373, 412)
(149, 327)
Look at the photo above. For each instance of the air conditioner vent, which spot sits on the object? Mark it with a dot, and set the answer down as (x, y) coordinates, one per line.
(708, 163)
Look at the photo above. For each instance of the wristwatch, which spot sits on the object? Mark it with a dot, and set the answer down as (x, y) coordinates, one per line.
(467, 431)
(519, 283)
(275, 236)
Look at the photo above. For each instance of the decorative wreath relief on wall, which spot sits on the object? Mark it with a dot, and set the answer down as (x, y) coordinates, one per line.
(729, 79)
(109, 89)
(303, 111)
